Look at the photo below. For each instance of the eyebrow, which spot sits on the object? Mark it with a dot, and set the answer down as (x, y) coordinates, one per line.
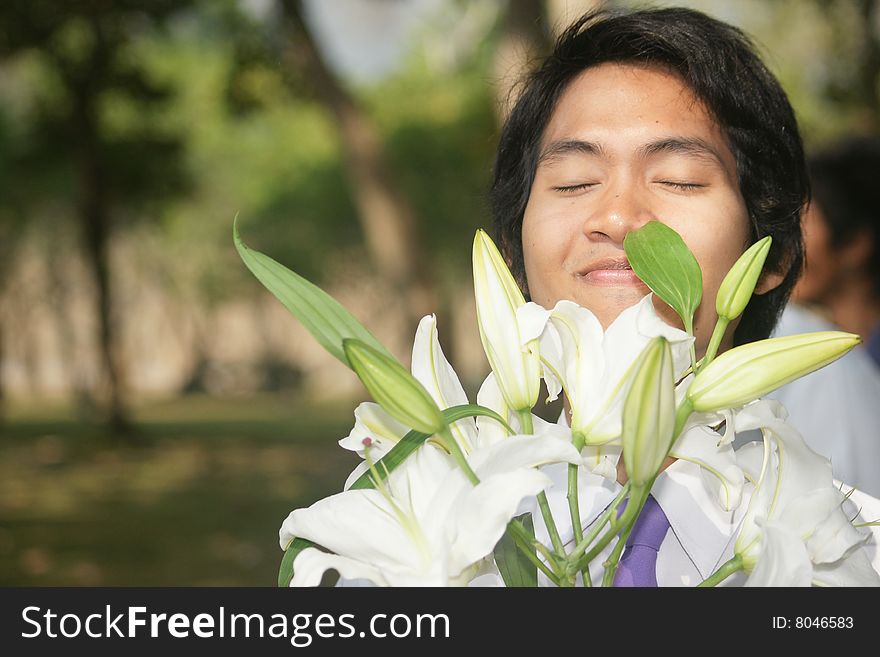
(688, 146)
(559, 149)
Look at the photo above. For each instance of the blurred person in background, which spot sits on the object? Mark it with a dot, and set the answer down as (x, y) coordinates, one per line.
(835, 408)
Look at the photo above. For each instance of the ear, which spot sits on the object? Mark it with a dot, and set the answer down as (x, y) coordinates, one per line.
(769, 280)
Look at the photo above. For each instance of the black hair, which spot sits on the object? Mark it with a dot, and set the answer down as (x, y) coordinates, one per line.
(718, 63)
(845, 187)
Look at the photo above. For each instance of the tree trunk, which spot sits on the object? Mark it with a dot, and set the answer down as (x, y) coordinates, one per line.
(524, 38)
(2, 389)
(94, 220)
(386, 217)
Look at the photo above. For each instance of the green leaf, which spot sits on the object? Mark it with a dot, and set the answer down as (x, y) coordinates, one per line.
(663, 261)
(515, 568)
(414, 439)
(285, 573)
(456, 413)
(324, 317)
(406, 446)
(297, 545)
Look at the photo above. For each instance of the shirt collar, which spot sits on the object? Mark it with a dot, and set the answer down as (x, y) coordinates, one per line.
(702, 527)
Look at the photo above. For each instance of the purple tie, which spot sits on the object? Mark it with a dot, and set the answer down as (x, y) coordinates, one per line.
(638, 565)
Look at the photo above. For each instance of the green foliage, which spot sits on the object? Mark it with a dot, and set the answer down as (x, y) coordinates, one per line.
(515, 568)
(324, 317)
(663, 261)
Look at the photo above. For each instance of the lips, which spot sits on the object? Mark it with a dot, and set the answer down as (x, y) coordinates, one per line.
(610, 271)
(611, 264)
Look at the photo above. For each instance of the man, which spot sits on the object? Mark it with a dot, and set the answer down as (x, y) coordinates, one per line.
(668, 115)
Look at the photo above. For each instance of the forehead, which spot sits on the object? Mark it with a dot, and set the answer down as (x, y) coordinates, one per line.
(623, 107)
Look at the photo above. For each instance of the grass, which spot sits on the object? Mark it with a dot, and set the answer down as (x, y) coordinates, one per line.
(197, 502)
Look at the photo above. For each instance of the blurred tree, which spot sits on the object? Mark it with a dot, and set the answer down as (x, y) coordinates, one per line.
(11, 226)
(386, 215)
(525, 36)
(855, 85)
(88, 128)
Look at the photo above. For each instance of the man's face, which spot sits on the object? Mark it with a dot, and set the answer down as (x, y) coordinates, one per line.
(626, 145)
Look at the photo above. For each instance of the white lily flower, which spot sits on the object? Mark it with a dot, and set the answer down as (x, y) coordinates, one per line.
(430, 368)
(514, 361)
(591, 365)
(371, 421)
(783, 561)
(428, 525)
(721, 474)
(490, 432)
(795, 490)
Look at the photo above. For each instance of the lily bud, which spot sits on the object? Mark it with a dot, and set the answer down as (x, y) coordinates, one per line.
(649, 413)
(752, 370)
(516, 365)
(739, 284)
(393, 388)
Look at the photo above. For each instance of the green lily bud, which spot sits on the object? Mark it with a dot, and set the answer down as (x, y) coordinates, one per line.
(750, 371)
(393, 388)
(649, 413)
(517, 367)
(739, 284)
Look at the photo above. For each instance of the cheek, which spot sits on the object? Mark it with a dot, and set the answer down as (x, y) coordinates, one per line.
(717, 244)
(543, 249)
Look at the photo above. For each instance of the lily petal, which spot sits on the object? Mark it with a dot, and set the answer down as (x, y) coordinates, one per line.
(853, 570)
(783, 561)
(482, 514)
(722, 475)
(311, 564)
(359, 524)
(371, 421)
(522, 452)
(489, 431)
(432, 370)
(834, 536)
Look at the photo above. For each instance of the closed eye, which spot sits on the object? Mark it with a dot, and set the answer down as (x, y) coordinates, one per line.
(684, 186)
(573, 189)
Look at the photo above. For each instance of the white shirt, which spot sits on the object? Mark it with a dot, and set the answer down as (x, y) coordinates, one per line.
(701, 535)
(837, 408)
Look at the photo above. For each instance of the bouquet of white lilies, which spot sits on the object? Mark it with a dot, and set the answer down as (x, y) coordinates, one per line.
(451, 493)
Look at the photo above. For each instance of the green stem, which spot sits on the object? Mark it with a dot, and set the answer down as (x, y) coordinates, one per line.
(525, 419)
(527, 545)
(682, 413)
(574, 503)
(724, 571)
(714, 341)
(689, 329)
(600, 522)
(637, 501)
(454, 448)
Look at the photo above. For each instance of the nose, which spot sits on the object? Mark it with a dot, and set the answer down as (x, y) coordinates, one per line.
(620, 207)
